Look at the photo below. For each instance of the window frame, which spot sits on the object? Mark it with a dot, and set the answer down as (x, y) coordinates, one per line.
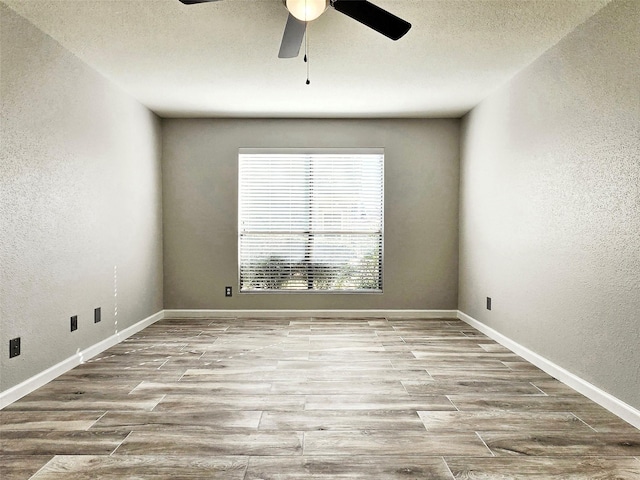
(304, 152)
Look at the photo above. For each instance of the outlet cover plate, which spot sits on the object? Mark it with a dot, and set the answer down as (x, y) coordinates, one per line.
(14, 347)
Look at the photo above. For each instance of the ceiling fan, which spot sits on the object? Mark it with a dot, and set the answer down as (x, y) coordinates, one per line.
(303, 11)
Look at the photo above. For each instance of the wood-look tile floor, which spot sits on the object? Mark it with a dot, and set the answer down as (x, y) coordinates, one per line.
(312, 398)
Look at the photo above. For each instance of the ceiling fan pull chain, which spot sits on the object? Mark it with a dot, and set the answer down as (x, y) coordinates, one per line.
(306, 52)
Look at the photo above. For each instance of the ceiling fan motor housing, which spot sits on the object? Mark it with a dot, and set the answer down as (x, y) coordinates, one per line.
(306, 10)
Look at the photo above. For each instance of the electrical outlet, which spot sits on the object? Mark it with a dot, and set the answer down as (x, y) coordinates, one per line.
(97, 315)
(74, 323)
(14, 347)
(488, 303)
(228, 292)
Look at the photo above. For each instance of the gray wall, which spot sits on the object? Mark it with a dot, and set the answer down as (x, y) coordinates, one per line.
(550, 204)
(80, 195)
(200, 167)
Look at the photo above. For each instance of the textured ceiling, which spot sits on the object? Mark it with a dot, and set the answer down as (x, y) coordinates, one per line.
(220, 59)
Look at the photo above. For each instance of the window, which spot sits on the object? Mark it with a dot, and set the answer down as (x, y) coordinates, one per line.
(310, 220)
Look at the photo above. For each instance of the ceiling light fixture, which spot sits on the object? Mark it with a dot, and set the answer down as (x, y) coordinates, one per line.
(306, 10)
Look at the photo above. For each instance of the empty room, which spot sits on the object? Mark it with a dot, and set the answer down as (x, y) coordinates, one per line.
(320, 239)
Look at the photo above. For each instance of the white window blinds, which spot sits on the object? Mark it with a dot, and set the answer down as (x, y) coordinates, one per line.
(310, 221)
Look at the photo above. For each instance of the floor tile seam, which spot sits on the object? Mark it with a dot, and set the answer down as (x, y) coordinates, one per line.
(246, 467)
(545, 433)
(42, 468)
(519, 412)
(260, 420)
(444, 460)
(520, 432)
(583, 421)
(97, 420)
(562, 456)
(121, 443)
(485, 444)
(538, 388)
(448, 397)
(412, 428)
(590, 456)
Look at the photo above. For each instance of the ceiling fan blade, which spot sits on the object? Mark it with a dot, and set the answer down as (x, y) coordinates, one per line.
(292, 37)
(373, 17)
(193, 2)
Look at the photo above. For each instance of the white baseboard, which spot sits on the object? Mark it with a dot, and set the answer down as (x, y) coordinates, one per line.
(15, 393)
(602, 398)
(311, 313)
